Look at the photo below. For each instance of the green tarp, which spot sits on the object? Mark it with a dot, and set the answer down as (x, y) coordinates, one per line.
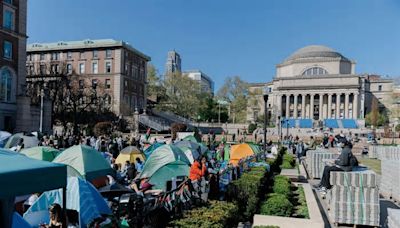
(190, 138)
(161, 156)
(21, 175)
(43, 153)
(256, 149)
(87, 161)
(167, 172)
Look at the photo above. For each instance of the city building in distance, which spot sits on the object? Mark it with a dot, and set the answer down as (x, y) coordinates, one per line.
(317, 84)
(116, 65)
(173, 63)
(206, 84)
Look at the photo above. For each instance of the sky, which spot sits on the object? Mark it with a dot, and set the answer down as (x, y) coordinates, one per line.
(224, 38)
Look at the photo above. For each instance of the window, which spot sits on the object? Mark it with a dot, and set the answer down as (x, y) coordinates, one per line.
(95, 54)
(8, 19)
(7, 50)
(126, 84)
(29, 57)
(95, 68)
(8, 1)
(42, 69)
(80, 84)
(55, 56)
(31, 70)
(82, 55)
(379, 87)
(69, 68)
(315, 71)
(81, 68)
(108, 84)
(41, 56)
(108, 67)
(94, 83)
(69, 55)
(5, 85)
(108, 53)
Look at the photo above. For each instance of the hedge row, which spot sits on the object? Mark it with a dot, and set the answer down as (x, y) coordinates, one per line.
(289, 161)
(302, 209)
(246, 191)
(278, 203)
(217, 214)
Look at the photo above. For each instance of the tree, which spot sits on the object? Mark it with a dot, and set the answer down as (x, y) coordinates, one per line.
(374, 117)
(182, 95)
(235, 91)
(155, 89)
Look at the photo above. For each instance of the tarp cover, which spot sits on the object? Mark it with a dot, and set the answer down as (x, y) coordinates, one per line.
(29, 140)
(190, 153)
(151, 148)
(161, 156)
(43, 153)
(167, 172)
(81, 197)
(87, 161)
(21, 175)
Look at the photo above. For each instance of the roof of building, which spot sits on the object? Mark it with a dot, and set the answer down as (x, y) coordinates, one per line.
(82, 44)
(314, 51)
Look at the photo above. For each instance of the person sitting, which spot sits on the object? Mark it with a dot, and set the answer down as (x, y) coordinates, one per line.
(143, 186)
(56, 217)
(139, 165)
(311, 146)
(345, 162)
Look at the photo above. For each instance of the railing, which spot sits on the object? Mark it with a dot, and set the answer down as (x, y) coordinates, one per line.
(154, 122)
(173, 117)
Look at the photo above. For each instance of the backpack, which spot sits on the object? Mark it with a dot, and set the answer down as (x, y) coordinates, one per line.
(353, 160)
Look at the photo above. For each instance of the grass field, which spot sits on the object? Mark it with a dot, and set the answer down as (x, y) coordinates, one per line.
(373, 164)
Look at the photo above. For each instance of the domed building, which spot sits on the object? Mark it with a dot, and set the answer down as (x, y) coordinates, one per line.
(317, 85)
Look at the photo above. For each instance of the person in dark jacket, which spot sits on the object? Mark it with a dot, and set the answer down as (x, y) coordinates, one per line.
(342, 163)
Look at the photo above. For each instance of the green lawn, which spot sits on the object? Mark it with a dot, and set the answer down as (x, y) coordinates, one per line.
(373, 164)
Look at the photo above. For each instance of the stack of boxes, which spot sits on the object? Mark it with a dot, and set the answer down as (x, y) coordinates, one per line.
(393, 218)
(315, 162)
(354, 198)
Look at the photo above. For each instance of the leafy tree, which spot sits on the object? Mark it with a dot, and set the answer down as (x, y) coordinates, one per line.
(155, 89)
(182, 95)
(235, 91)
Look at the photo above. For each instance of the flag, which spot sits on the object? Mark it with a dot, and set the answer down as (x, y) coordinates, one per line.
(148, 133)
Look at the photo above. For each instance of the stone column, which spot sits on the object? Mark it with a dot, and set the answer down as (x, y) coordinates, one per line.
(295, 106)
(355, 106)
(312, 106)
(303, 106)
(338, 105)
(346, 106)
(321, 106)
(279, 104)
(329, 106)
(287, 105)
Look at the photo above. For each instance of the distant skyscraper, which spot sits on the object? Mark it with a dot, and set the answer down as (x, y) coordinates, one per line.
(206, 83)
(173, 63)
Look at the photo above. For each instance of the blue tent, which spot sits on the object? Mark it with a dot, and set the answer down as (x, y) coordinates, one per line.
(19, 222)
(21, 175)
(81, 197)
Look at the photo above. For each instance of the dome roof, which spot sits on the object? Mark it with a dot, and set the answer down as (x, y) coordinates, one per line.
(314, 51)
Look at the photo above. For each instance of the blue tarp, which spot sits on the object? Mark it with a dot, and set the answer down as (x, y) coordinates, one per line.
(19, 222)
(81, 196)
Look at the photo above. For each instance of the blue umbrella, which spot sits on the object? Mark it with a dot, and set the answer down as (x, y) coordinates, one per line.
(81, 197)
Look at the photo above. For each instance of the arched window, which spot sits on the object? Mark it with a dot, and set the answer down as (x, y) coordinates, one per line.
(315, 71)
(5, 85)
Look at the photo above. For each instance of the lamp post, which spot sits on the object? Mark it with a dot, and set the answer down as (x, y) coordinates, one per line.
(279, 128)
(265, 120)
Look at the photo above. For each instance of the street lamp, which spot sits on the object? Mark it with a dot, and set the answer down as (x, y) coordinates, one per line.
(279, 128)
(265, 120)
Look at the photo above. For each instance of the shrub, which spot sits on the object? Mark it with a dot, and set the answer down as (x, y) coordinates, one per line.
(282, 185)
(302, 209)
(177, 127)
(277, 205)
(217, 214)
(251, 128)
(102, 128)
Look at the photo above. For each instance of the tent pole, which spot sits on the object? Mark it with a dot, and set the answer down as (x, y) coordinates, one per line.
(64, 196)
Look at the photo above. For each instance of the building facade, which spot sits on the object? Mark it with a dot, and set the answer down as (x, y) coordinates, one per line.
(206, 83)
(12, 62)
(173, 63)
(318, 84)
(115, 65)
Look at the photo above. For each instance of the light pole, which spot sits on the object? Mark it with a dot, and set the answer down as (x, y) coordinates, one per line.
(265, 120)
(279, 128)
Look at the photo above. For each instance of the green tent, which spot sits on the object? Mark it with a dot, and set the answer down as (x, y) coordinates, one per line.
(190, 138)
(227, 152)
(161, 156)
(256, 149)
(43, 153)
(87, 161)
(167, 172)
